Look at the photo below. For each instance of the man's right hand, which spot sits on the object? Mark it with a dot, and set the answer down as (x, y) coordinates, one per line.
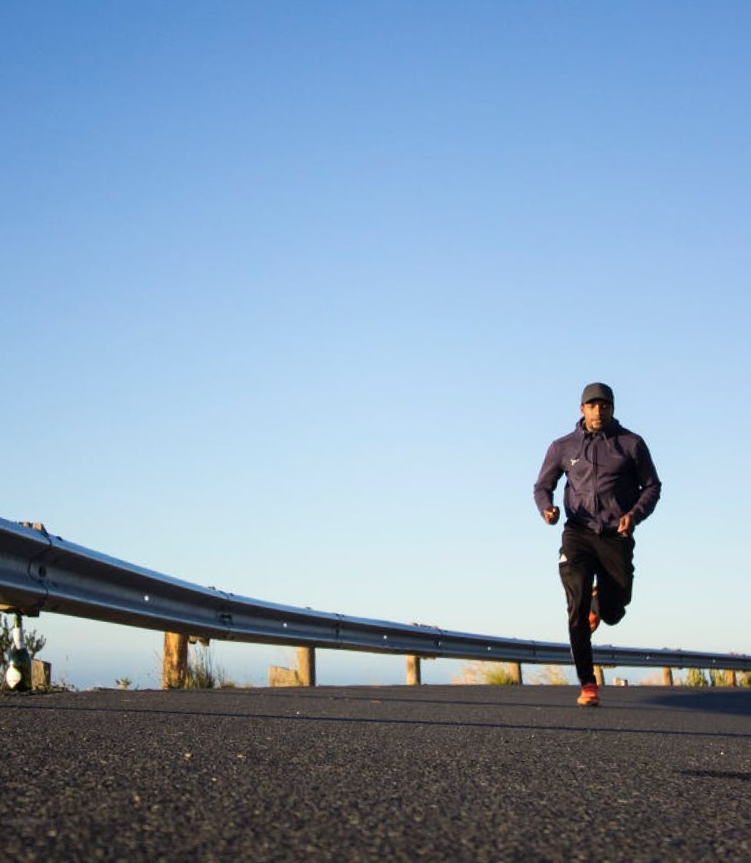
(551, 515)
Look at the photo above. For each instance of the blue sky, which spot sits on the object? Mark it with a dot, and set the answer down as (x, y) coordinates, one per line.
(297, 294)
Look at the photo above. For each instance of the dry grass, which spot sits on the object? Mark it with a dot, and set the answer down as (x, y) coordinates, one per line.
(203, 672)
(550, 675)
(487, 674)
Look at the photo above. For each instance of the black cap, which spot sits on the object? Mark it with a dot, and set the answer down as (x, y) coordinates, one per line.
(592, 392)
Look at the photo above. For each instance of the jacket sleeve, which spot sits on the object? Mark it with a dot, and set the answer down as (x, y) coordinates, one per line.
(649, 483)
(550, 473)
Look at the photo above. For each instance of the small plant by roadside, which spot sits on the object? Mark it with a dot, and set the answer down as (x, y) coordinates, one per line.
(695, 677)
(654, 679)
(488, 674)
(203, 672)
(550, 675)
(721, 677)
(123, 683)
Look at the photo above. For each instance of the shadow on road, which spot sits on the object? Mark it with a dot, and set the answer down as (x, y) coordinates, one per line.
(736, 702)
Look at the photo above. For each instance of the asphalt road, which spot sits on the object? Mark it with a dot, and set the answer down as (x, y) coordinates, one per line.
(434, 773)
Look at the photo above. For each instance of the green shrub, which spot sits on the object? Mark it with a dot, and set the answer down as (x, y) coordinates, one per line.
(696, 677)
(721, 677)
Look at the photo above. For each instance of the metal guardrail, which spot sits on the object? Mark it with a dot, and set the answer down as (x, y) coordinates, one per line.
(42, 572)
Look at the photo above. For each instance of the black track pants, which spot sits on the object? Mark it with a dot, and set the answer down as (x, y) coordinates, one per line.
(584, 555)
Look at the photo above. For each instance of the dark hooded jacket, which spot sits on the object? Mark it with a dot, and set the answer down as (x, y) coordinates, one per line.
(608, 474)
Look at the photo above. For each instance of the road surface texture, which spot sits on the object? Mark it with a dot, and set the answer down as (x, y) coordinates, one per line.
(433, 773)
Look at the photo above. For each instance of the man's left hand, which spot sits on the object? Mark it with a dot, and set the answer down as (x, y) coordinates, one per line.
(627, 524)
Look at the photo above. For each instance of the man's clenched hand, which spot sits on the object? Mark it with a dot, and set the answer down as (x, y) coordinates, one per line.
(551, 515)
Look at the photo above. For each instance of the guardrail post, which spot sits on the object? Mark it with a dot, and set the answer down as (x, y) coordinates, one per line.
(175, 661)
(306, 666)
(599, 675)
(515, 670)
(414, 671)
(667, 676)
(730, 678)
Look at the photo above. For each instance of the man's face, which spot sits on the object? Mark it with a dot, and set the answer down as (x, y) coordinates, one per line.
(597, 414)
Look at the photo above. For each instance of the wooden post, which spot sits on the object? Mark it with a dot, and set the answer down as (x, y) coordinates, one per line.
(515, 670)
(414, 671)
(175, 661)
(599, 675)
(730, 678)
(667, 676)
(306, 666)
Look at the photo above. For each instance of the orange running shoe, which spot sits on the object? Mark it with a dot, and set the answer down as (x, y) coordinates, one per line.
(594, 614)
(589, 696)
